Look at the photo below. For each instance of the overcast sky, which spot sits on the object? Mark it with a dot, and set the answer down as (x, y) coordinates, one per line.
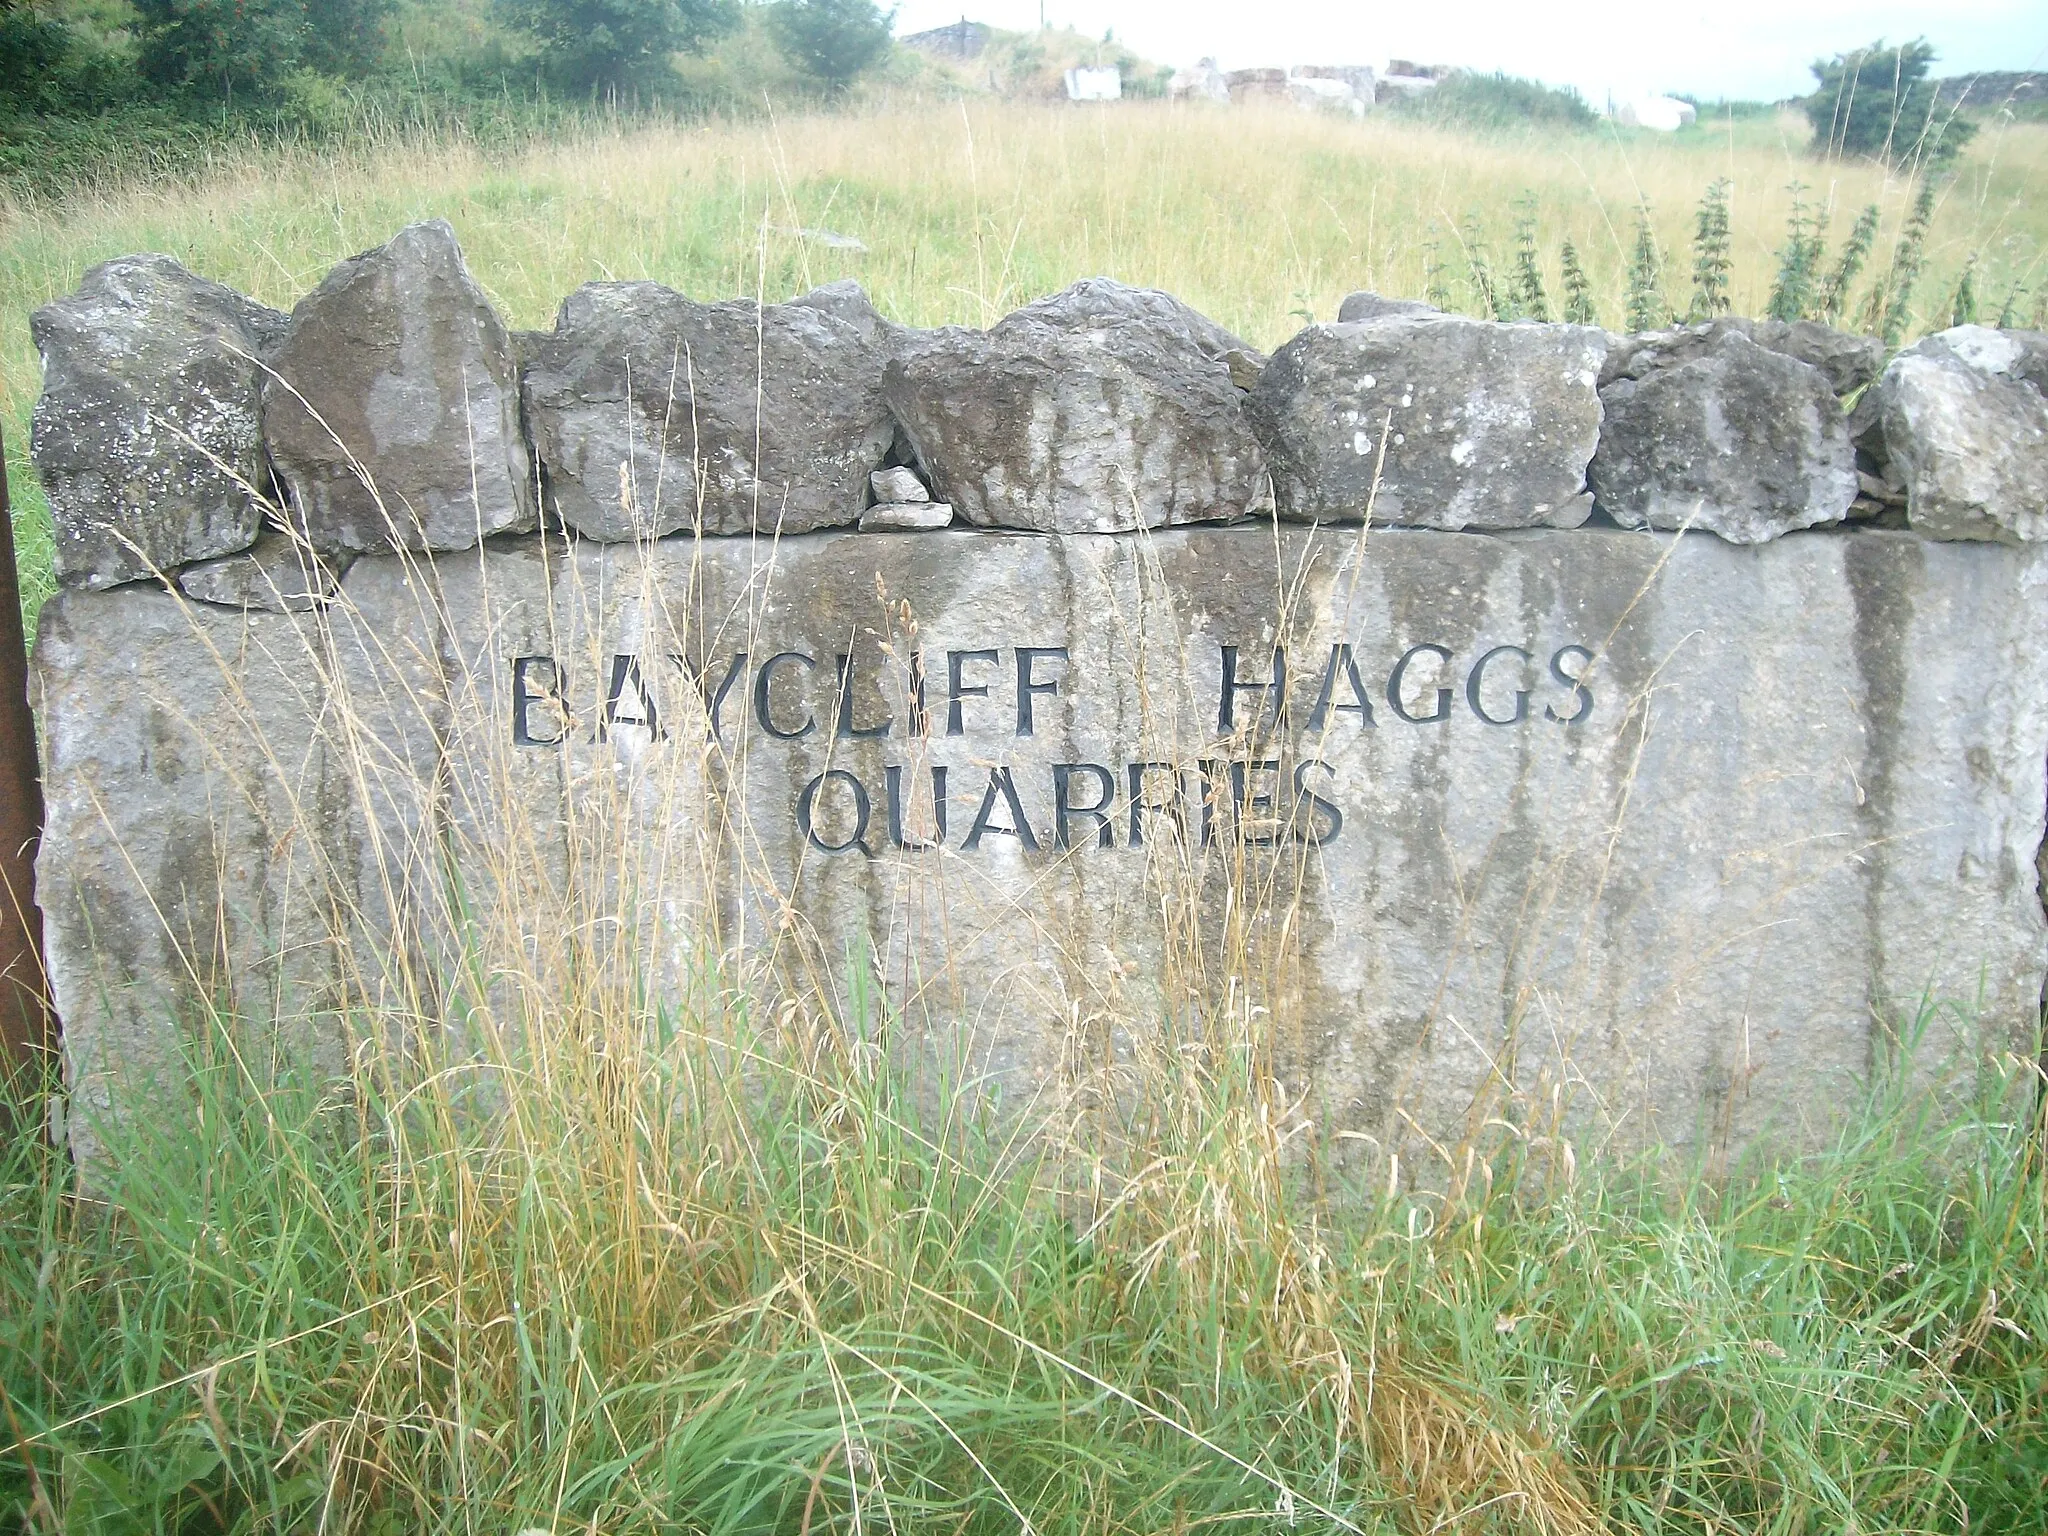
(1740, 48)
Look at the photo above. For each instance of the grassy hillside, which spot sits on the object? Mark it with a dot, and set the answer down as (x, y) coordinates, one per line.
(1261, 218)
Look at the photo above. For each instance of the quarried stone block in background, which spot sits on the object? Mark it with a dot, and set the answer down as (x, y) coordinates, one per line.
(1965, 419)
(1100, 409)
(393, 415)
(1484, 425)
(653, 413)
(147, 434)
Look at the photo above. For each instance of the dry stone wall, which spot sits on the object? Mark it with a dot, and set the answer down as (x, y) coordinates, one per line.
(1652, 723)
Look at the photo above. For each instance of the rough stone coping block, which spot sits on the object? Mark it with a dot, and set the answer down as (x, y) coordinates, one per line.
(391, 412)
(1100, 409)
(1965, 417)
(1433, 421)
(146, 434)
(1710, 430)
(1689, 826)
(398, 412)
(652, 412)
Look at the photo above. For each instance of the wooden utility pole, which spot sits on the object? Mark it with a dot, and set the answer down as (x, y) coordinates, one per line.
(26, 1033)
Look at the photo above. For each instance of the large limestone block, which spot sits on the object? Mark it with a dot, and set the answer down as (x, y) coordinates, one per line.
(1685, 871)
(653, 413)
(1100, 409)
(147, 435)
(1710, 430)
(393, 418)
(1689, 827)
(1965, 417)
(1484, 425)
(182, 874)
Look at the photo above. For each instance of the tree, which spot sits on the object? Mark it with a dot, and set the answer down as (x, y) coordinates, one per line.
(1877, 102)
(593, 45)
(49, 64)
(346, 37)
(247, 48)
(221, 47)
(832, 41)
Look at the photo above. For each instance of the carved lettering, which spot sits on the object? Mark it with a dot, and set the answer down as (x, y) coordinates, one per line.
(1000, 783)
(627, 690)
(1582, 696)
(526, 670)
(1027, 687)
(1397, 681)
(846, 730)
(764, 681)
(1275, 690)
(892, 787)
(1345, 664)
(1064, 809)
(806, 806)
(1477, 680)
(956, 689)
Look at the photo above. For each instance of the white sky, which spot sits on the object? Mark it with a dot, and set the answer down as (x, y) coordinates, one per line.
(1756, 49)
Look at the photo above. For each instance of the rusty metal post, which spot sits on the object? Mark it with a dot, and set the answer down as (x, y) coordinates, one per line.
(26, 1021)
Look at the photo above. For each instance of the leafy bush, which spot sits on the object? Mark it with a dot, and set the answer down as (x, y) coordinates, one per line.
(58, 153)
(1497, 101)
(607, 45)
(1877, 102)
(833, 42)
(221, 48)
(48, 63)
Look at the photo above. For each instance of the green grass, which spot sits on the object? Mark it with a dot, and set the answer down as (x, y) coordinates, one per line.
(711, 1277)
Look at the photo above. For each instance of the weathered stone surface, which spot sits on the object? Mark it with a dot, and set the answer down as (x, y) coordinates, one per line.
(889, 485)
(846, 300)
(147, 436)
(277, 574)
(393, 419)
(1713, 431)
(651, 411)
(1965, 417)
(186, 826)
(1100, 409)
(1363, 305)
(1486, 426)
(1849, 362)
(1688, 826)
(905, 516)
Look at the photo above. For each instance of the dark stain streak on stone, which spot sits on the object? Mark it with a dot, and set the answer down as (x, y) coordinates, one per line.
(1881, 573)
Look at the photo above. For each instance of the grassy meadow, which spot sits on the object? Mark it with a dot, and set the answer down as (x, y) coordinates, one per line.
(966, 209)
(723, 1265)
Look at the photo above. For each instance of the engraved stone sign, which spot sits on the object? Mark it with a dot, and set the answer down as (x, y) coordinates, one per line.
(1675, 833)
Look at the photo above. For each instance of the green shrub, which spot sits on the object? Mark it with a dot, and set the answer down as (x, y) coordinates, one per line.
(50, 63)
(615, 45)
(1877, 102)
(1474, 100)
(833, 42)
